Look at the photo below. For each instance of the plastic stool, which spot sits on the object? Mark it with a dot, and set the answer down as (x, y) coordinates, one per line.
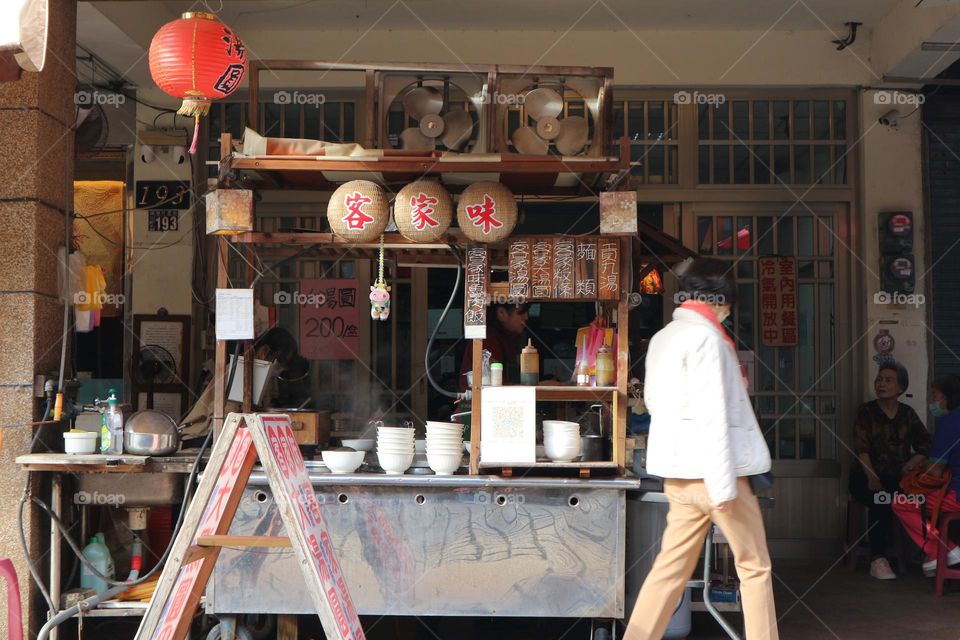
(14, 615)
(944, 572)
(855, 545)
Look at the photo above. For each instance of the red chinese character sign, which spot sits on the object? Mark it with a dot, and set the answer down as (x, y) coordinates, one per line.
(358, 211)
(487, 212)
(778, 302)
(423, 211)
(329, 319)
(197, 58)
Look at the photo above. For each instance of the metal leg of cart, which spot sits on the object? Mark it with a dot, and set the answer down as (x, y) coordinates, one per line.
(705, 584)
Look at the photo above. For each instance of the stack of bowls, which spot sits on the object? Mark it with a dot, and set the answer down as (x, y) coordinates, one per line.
(444, 447)
(561, 440)
(395, 449)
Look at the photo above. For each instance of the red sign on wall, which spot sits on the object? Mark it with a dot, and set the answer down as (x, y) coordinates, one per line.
(329, 318)
(778, 302)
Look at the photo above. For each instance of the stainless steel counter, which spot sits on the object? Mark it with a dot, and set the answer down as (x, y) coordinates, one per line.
(442, 546)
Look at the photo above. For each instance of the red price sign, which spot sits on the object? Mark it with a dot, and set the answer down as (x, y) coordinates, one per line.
(329, 318)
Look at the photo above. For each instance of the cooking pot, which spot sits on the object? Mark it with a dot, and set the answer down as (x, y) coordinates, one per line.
(150, 433)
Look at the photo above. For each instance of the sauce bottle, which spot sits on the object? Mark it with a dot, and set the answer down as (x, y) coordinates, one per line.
(529, 364)
(606, 367)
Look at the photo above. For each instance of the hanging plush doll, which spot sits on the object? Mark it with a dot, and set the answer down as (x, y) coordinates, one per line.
(380, 301)
(380, 293)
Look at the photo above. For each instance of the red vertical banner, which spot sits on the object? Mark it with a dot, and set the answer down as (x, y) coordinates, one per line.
(779, 325)
(329, 318)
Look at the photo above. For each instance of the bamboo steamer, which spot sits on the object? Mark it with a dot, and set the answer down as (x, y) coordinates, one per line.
(358, 211)
(487, 212)
(423, 211)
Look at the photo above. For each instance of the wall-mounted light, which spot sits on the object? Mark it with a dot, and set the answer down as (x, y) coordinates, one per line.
(147, 154)
(178, 154)
(229, 211)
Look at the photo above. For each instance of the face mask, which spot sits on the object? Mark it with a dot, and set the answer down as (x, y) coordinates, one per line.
(937, 411)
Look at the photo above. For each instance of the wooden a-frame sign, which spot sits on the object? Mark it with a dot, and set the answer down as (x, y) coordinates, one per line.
(243, 438)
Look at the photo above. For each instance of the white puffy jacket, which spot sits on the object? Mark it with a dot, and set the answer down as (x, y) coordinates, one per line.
(702, 423)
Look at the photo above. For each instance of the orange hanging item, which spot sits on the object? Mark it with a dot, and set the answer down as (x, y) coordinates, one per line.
(198, 59)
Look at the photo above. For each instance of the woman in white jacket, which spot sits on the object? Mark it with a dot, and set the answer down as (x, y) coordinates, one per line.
(704, 441)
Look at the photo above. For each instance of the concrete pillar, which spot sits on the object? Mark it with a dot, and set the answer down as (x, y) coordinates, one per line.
(36, 174)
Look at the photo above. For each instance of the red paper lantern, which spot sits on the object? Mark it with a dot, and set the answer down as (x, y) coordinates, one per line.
(199, 59)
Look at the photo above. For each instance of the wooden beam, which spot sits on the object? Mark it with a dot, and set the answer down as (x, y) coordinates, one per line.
(278, 542)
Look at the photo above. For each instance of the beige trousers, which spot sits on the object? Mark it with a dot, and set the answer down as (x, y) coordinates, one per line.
(687, 522)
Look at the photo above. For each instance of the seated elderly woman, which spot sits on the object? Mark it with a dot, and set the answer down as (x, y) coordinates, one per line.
(889, 440)
(944, 454)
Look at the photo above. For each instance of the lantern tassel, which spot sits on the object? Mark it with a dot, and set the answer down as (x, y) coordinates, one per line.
(196, 134)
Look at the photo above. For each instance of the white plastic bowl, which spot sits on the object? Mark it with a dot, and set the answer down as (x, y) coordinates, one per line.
(394, 463)
(342, 461)
(444, 464)
(80, 443)
(359, 444)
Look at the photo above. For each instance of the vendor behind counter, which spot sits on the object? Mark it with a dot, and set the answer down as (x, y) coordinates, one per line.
(506, 327)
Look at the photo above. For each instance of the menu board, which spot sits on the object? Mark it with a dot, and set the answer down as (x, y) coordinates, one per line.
(541, 269)
(564, 268)
(586, 276)
(475, 302)
(519, 270)
(608, 254)
(778, 301)
(329, 318)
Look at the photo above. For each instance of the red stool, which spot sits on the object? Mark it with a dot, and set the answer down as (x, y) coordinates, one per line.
(14, 615)
(943, 571)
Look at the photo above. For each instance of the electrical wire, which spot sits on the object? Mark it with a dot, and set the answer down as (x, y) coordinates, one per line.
(436, 329)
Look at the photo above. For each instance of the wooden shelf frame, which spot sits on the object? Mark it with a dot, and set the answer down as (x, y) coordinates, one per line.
(616, 395)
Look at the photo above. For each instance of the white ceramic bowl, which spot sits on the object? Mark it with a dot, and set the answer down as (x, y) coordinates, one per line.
(560, 424)
(389, 438)
(359, 444)
(444, 464)
(444, 439)
(444, 430)
(394, 463)
(80, 443)
(437, 423)
(342, 461)
(401, 431)
(458, 451)
(561, 452)
(396, 450)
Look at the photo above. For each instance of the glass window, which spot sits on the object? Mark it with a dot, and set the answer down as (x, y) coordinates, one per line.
(802, 167)
(761, 164)
(781, 164)
(821, 164)
(801, 120)
(656, 117)
(703, 164)
(331, 121)
(705, 235)
(805, 236)
(761, 120)
(721, 122)
(291, 120)
(721, 164)
(618, 128)
(725, 238)
(741, 164)
(703, 121)
(741, 119)
(349, 122)
(839, 120)
(635, 120)
(781, 119)
(821, 119)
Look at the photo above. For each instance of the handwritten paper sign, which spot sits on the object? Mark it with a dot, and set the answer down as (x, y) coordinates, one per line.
(541, 278)
(608, 283)
(778, 301)
(564, 266)
(519, 269)
(586, 286)
(329, 318)
(475, 302)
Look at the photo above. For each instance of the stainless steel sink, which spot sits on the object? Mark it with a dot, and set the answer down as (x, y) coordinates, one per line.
(129, 490)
